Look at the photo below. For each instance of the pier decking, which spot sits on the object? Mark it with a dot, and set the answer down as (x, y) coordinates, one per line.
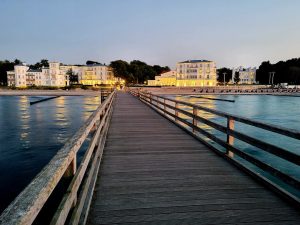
(153, 172)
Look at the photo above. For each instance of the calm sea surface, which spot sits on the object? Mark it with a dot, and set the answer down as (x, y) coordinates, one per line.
(31, 135)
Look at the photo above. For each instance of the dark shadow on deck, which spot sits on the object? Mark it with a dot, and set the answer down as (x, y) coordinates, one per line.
(155, 173)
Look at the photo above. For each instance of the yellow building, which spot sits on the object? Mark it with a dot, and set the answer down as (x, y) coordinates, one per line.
(165, 79)
(189, 73)
(196, 73)
(98, 74)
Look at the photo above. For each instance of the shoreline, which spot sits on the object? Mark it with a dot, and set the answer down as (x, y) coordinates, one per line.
(222, 91)
(49, 93)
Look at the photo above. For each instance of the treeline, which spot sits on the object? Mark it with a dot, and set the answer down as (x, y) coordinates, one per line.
(136, 72)
(5, 66)
(285, 72)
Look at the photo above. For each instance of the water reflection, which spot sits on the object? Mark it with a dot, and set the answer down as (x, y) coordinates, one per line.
(24, 121)
(61, 121)
(90, 105)
(31, 135)
(201, 102)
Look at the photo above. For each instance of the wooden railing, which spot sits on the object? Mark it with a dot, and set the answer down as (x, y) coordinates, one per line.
(172, 109)
(74, 205)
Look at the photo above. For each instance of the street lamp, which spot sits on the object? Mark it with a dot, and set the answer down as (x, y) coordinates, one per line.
(271, 77)
(224, 77)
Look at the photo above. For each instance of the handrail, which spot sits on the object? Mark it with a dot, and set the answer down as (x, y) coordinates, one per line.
(170, 108)
(28, 204)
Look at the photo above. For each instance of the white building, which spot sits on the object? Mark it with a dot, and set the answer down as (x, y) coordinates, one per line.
(23, 76)
(246, 75)
(196, 73)
(57, 75)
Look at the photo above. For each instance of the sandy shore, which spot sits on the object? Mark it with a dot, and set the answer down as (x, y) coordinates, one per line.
(222, 91)
(4, 92)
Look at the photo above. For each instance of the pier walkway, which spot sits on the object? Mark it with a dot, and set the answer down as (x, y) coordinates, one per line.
(153, 172)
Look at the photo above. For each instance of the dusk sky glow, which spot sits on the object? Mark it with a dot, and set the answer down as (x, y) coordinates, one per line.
(230, 32)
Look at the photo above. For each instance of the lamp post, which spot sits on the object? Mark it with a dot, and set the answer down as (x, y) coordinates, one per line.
(224, 77)
(271, 77)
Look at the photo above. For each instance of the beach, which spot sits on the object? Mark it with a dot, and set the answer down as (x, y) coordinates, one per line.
(220, 90)
(80, 92)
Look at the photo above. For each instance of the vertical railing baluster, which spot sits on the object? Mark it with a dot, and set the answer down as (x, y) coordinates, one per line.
(230, 138)
(176, 112)
(195, 121)
(165, 108)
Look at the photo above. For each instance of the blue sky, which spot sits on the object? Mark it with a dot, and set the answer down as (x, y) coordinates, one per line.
(230, 32)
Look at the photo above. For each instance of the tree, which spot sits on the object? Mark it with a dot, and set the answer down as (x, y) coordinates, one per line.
(136, 71)
(44, 63)
(285, 72)
(236, 77)
(73, 77)
(228, 74)
(41, 64)
(120, 69)
(159, 69)
(5, 66)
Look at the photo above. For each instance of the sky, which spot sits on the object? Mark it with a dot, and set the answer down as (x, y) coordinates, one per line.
(230, 32)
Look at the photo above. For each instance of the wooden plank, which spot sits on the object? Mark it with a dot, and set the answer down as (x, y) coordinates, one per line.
(153, 172)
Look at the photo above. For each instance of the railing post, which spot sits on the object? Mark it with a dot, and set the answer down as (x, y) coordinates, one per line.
(176, 112)
(230, 139)
(71, 170)
(195, 121)
(165, 108)
(150, 96)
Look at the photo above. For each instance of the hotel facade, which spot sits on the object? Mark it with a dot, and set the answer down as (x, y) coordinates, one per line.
(164, 79)
(56, 75)
(246, 75)
(97, 74)
(189, 73)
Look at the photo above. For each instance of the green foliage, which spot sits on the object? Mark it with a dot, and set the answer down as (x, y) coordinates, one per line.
(285, 72)
(5, 66)
(228, 74)
(41, 64)
(236, 77)
(73, 77)
(136, 72)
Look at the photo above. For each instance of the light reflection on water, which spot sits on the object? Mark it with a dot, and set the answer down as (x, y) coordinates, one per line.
(31, 135)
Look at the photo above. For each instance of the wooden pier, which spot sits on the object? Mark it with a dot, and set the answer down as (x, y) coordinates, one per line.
(143, 166)
(155, 173)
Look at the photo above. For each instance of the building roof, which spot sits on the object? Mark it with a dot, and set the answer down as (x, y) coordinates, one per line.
(34, 70)
(195, 61)
(95, 64)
